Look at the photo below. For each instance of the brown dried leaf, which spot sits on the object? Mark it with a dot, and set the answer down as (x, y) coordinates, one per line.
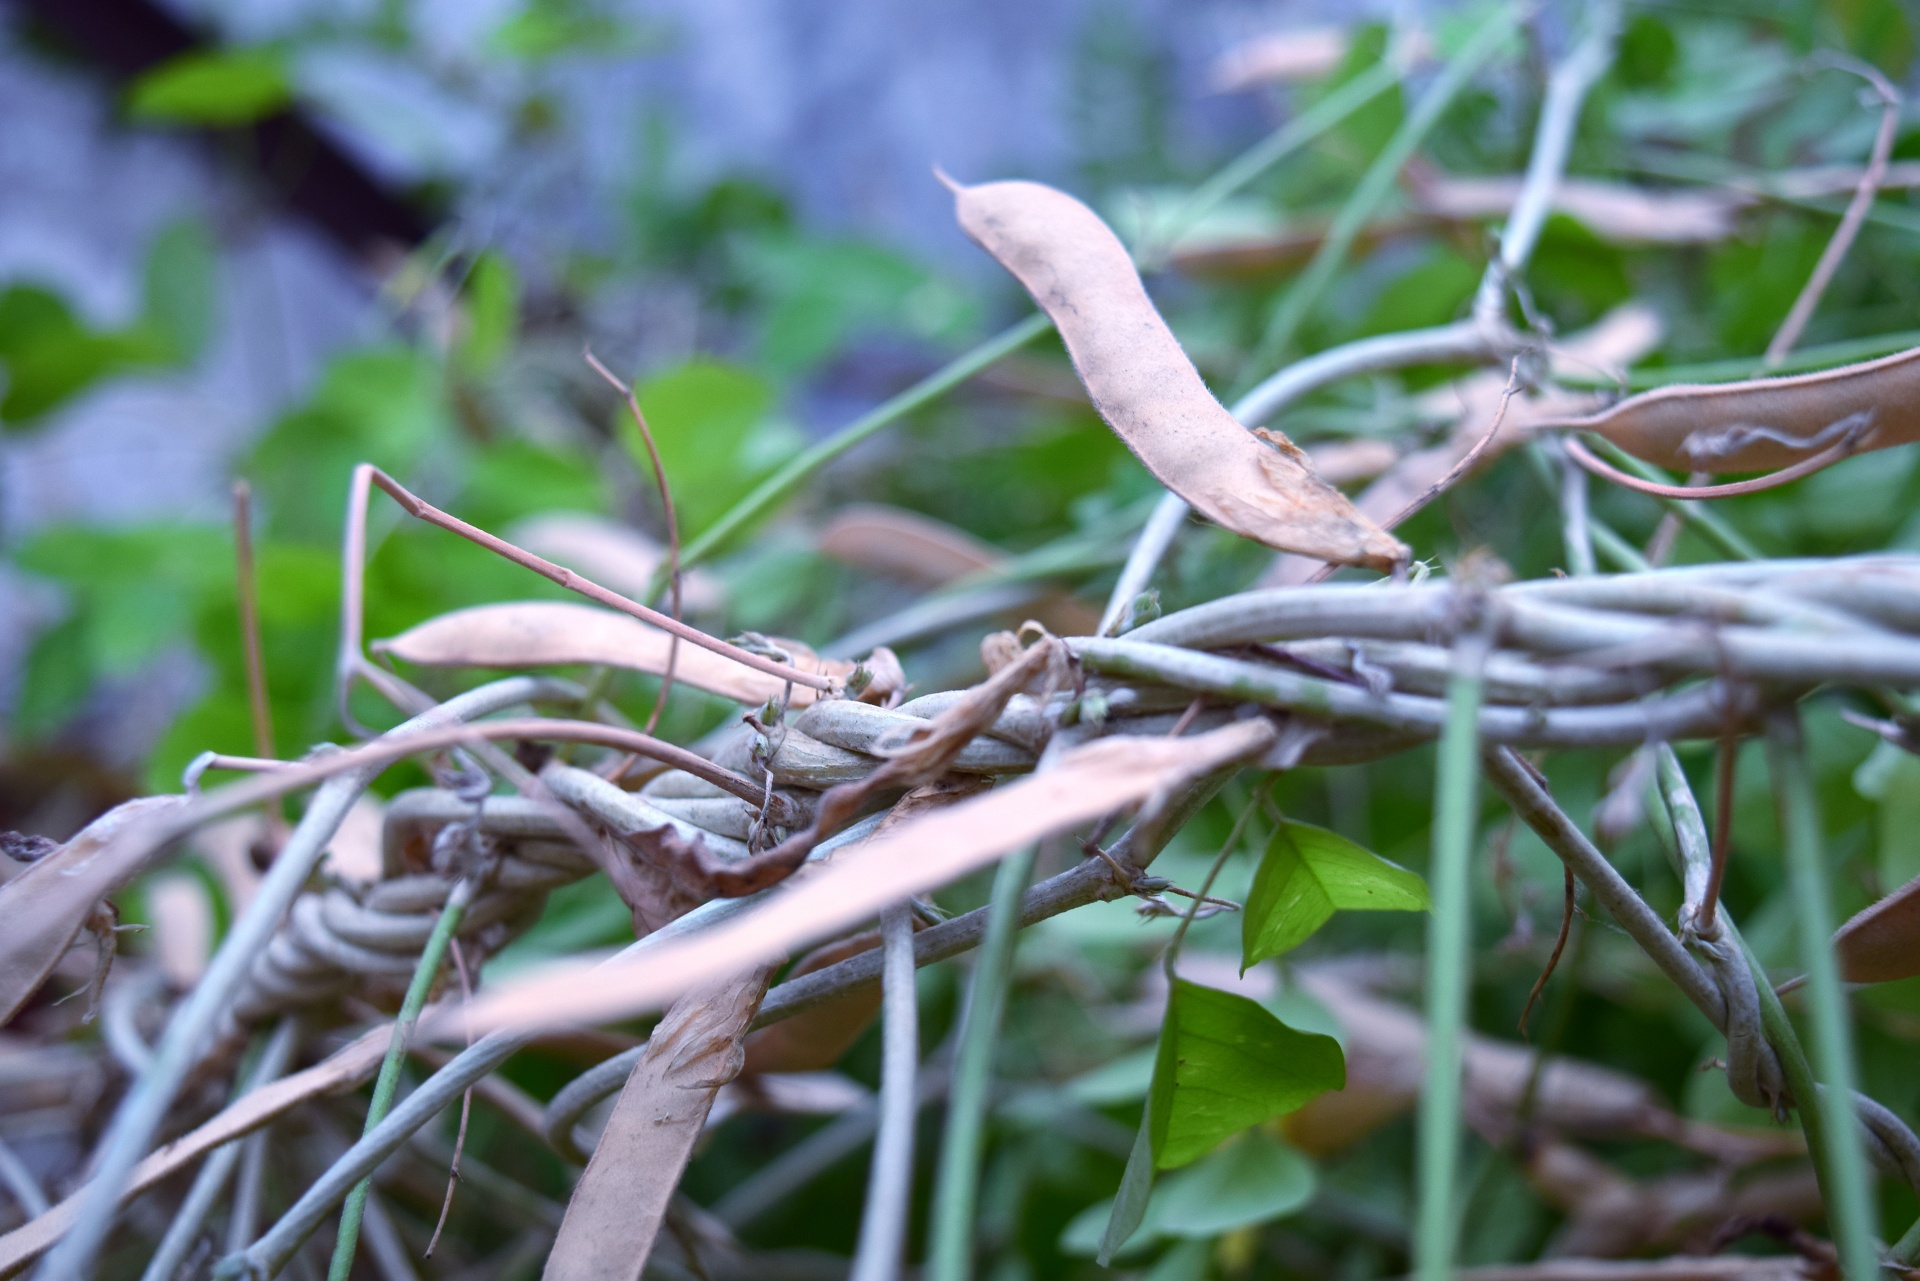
(932, 553)
(343, 1070)
(1386, 1052)
(1766, 423)
(1613, 211)
(1304, 53)
(43, 908)
(620, 1202)
(1083, 784)
(815, 1039)
(557, 633)
(612, 554)
(1882, 943)
(1149, 392)
(183, 928)
(904, 544)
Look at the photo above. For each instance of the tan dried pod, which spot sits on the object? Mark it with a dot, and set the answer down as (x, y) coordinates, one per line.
(1147, 389)
(1766, 423)
(1882, 942)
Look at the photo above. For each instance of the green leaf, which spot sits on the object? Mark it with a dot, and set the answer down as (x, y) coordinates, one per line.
(1225, 1064)
(1306, 875)
(178, 295)
(549, 28)
(50, 355)
(1253, 1179)
(229, 87)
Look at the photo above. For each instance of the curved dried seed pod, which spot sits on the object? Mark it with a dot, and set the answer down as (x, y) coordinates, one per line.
(1882, 942)
(1149, 392)
(554, 633)
(1765, 423)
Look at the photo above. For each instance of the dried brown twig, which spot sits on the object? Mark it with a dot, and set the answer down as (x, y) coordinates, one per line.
(353, 663)
(673, 528)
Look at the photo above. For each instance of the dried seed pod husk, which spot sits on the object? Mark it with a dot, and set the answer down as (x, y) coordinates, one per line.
(557, 633)
(1881, 943)
(1765, 424)
(1147, 389)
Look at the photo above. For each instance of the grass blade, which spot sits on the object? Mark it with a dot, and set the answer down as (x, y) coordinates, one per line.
(783, 482)
(950, 1258)
(1850, 1207)
(1448, 938)
(388, 1082)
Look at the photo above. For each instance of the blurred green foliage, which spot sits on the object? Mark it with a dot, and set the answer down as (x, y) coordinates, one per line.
(227, 87)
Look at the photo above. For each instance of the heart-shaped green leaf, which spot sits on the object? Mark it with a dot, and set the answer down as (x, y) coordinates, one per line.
(1309, 873)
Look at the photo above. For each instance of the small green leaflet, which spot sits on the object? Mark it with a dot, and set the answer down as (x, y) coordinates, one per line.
(1307, 874)
(1224, 1064)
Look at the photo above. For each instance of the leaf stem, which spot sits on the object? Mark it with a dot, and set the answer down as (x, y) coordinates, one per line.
(1850, 1207)
(1448, 961)
(957, 1189)
(388, 1082)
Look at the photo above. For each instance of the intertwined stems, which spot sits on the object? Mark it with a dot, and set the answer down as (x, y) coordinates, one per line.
(184, 1231)
(957, 1189)
(1456, 784)
(883, 1225)
(388, 1082)
(145, 1105)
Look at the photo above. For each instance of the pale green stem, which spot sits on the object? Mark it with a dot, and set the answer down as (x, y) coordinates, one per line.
(957, 1188)
(1377, 184)
(1850, 1207)
(388, 1082)
(783, 482)
(1449, 936)
(1265, 154)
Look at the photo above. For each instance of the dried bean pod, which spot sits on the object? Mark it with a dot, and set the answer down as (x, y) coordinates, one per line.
(1149, 392)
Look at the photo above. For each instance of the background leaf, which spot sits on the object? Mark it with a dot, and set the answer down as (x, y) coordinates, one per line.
(227, 87)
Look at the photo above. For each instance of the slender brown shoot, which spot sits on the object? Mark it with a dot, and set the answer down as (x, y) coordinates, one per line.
(673, 529)
(1722, 831)
(351, 661)
(1466, 464)
(466, 1108)
(1842, 448)
(1857, 209)
(420, 509)
(248, 594)
(1553, 960)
